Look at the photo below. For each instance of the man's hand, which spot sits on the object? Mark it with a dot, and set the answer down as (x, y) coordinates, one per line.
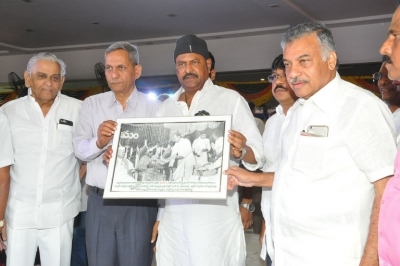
(107, 155)
(262, 233)
(237, 141)
(105, 133)
(3, 236)
(370, 255)
(238, 177)
(246, 215)
(82, 171)
(154, 234)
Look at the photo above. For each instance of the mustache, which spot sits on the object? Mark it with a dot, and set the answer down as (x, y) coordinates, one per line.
(296, 79)
(387, 59)
(190, 74)
(280, 87)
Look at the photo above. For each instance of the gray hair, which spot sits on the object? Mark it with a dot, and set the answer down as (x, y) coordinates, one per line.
(46, 57)
(130, 48)
(324, 36)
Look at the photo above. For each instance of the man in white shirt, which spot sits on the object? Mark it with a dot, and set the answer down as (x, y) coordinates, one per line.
(6, 159)
(118, 232)
(337, 153)
(271, 139)
(198, 231)
(183, 154)
(45, 191)
(201, 147)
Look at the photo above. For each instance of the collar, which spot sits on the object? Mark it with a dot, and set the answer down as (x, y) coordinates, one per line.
(131, 102)
(279, 110)
(207, 86)
(322, 99)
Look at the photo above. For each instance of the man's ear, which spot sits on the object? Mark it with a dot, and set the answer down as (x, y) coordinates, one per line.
(62, 82)
(138, 71)
(209, 63)
(27, 79)
(332, 60)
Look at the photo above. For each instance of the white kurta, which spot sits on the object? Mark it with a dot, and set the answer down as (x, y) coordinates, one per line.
(207, 232)
(323, 193)
(45, 191)
(184, 168)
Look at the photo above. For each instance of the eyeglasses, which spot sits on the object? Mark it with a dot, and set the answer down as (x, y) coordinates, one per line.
(273, 77)
(379, 76)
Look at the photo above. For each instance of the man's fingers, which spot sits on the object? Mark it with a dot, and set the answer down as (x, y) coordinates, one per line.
(154, 233)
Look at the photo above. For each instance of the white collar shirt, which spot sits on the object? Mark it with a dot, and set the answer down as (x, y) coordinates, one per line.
(45, 187)
(272, 147)
(323, 193)
(95, 110)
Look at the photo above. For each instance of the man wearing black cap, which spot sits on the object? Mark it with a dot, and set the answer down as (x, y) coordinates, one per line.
(207, 232)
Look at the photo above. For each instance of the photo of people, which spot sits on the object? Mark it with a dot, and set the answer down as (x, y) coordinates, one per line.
(169, 157)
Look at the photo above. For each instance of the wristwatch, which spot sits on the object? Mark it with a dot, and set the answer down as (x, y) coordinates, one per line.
(243, 153)
(250, 207)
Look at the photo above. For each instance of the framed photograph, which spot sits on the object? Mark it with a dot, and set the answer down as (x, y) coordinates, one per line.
(169, 157)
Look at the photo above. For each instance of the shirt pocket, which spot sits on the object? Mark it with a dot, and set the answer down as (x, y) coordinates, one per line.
(309, 154)
(63, 137)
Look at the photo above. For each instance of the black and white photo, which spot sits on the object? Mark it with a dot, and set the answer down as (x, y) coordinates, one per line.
(175, 157)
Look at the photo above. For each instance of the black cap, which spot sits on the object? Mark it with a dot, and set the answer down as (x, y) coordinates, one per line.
(191, 44)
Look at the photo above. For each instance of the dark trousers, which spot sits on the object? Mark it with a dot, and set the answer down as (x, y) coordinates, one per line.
(118, 232)
(78, 255)
(268, 260)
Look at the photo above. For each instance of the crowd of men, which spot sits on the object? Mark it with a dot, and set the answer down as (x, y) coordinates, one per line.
(330, 172)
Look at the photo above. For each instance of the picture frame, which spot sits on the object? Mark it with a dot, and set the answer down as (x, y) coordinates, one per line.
(169, 157)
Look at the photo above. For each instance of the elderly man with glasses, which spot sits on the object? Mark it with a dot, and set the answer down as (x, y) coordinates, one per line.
(390, 92)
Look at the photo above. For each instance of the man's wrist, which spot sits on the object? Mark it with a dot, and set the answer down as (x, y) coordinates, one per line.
(249, 206)
(248, 201)
(97, 144)
(242, 153)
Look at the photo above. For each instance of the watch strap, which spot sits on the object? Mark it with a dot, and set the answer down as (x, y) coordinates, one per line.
(243, 153)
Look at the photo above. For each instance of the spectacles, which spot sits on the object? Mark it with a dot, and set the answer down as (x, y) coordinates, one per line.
(379, 76)
(273, 77)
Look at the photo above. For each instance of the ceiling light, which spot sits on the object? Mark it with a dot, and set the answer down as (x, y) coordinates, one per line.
(262, 79)
(274, 5)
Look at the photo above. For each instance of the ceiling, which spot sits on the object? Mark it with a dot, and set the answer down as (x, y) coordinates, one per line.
(30, 26)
